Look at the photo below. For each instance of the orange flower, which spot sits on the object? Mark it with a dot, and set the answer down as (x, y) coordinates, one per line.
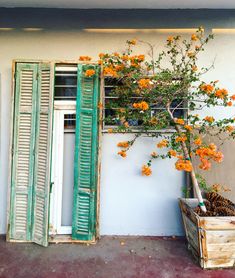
(108, 71)
(141, 105)
(172, 153)
(100, 105)
(125, 57)
(170, 39)
(183, 165)
(198, 141)
(230, 128)
(153, 121)
(144, 83)
(180, 139)
(194, 37)
(110, 130)
(126, 124)
(197, 47)
(208, 88)
(119, 67)
(205, 164)
(101, 55)
(191, 54)
(194, 68)
(229, 103)
(212, 146)
(123, 144)
(221, 93)
(132, 42)
(84, 58)
(209, 119)
(164, 143)
(232, 97)
(146, 170)
(122, 153)
(89, 72)
(179, 121)
(154, 154)
(188, 127)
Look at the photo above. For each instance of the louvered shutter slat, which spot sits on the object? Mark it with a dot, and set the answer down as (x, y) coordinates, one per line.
(86, 150)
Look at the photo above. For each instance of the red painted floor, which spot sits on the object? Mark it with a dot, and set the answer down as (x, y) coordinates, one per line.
(111, 257)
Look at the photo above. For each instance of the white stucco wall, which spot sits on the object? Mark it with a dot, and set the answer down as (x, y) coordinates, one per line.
(130, 203)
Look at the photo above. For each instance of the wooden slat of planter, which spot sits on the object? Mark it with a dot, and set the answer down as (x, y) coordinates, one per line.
(187, 210)
(192, 232)
(218, 263)
(216, 237)
(217, 223)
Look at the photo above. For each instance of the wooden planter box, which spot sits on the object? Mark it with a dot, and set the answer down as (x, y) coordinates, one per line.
(210, 239)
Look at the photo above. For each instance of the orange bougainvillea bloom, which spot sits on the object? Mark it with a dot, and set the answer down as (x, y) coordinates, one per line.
(218, 157)
(180, 139)
(229, 103)
(191, 54)
(101, 55)
(197, 47)
(179, 121)
(194, 68)
(188, 127)
(126, 124)
(110, 130)
(232, 97)
(164, 143)
(144, 83)
(194, 37)
(198, 141)
(84, 58)
(205, 164)
(230, 128)
(146, 170)
(170, 39)
(221, 93)
(123, 144)
(143, 105)
(154, 154)
(209, 119)
(172, 153)
(89, 72)
(122, 153)
(183, 165)
(108, 71)
(212, 146)
(208, 88)
(210, 152)
(132, 42)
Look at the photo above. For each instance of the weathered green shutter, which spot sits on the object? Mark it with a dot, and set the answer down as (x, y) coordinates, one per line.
(42, 156)
(23, 151)
(86, 150)
(30, 178)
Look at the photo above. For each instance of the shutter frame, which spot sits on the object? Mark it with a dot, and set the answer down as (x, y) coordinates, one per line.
(21, 207)
(87, 131)
(43, 150)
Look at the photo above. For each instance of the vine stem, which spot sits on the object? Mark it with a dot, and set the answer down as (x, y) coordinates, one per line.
(187, 157)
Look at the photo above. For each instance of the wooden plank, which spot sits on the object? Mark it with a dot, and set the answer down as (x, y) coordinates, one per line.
(219, 263)
(217, 223)
(188, 211)
(216, 237)
(68, 239)
(192, 232)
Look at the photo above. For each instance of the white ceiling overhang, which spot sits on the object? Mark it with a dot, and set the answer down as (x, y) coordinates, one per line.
(121, 4)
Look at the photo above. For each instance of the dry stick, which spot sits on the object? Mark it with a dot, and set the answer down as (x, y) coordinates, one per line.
(187, 157)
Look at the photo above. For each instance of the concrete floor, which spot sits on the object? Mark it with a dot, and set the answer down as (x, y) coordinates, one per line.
(111, 257)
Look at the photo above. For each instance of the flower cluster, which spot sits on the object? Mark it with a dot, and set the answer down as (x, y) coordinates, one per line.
(143, 105)
(89, 72)
(183, 165)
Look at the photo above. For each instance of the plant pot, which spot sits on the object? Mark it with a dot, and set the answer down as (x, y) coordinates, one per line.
(210, 239)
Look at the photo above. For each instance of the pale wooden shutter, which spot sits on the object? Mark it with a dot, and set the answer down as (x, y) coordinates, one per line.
(23, 151)
(86, 150)
(43, 148)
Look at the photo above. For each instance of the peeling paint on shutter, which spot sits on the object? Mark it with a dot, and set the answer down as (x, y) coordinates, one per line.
(42, 156)
(23, 151)
(86, 155)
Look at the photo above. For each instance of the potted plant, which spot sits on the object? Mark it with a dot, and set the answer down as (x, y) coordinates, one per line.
(165, 92)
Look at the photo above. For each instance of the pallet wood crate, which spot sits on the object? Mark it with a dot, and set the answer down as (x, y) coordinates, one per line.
(210, 239)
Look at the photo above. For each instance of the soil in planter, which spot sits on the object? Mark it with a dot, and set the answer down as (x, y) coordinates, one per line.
(216, 205)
